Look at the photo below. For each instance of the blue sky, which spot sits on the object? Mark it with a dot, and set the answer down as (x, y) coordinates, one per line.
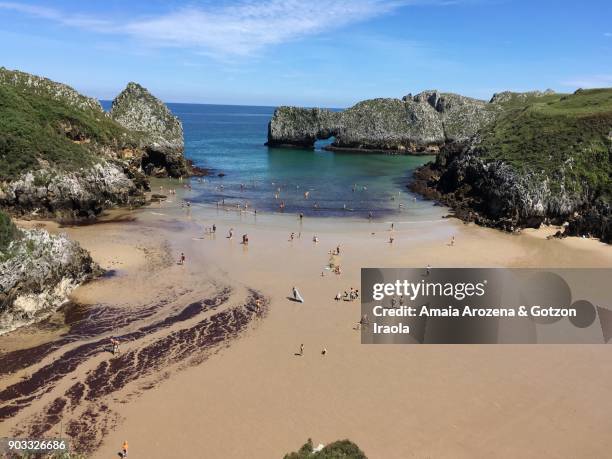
(310, 52)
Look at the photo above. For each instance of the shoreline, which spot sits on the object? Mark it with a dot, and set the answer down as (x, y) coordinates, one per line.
(254, 375)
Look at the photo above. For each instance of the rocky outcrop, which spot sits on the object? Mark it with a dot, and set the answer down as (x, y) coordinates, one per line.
(496, 194)
(545, 158)
(37, 273)
(70, 195)
(63, 155)
(160, 132)
(414, 124)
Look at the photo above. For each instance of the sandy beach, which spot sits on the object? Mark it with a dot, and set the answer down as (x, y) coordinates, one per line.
(208, 366)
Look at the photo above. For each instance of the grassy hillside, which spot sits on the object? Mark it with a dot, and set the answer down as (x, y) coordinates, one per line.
(567, 138)
(44, 122)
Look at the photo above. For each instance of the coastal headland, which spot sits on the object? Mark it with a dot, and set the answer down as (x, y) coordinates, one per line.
(104, 242)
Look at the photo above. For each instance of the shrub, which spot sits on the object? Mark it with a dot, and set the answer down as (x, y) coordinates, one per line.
(341, 449)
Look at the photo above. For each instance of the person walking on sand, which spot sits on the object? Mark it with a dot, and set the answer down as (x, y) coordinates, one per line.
(124, 449)
(214, 228)
(301, 349)
(363, 322)
(182, 259)
(230, 235)
(291, 236)
(452, 242)
(115, 345)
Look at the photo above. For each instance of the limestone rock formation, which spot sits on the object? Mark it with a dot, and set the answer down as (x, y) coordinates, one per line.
(70, 195)
(545, 159)
(160, 132)
(37, 273)
(414, 124)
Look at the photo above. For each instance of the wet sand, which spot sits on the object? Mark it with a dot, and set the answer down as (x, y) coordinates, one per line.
(208, 366)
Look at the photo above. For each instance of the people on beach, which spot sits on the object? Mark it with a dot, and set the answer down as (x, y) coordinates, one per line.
(363, 322)
(214, 228)
(291, 236)
(301, 349)
(245, 239)
(324, 351)
(452, 241)
(351, 295)
(428, 270)
(230, 234)
(315, 239)
(124, 449)
(114, 345)
(182, 259)
(391, 239)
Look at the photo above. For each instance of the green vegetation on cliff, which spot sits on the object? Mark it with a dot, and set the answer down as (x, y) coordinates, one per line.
(8, 232)
(563, 138)
(342, 449)
(42, 122)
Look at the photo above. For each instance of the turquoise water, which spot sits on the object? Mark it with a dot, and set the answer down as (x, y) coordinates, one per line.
(230, 140)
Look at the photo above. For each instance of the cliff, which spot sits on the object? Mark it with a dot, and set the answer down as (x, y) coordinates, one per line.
(545, 159)
(415, 124)
(160, 132)
(37, 273)
(62, 156)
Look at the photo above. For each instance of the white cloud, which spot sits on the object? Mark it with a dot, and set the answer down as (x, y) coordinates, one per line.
(590, 81)
(75, 20)
(238, 29)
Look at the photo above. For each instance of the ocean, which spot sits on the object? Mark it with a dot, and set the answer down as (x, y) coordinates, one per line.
(229, 140)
